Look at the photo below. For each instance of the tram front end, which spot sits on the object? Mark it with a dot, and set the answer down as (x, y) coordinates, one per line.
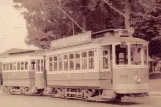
(130, 68)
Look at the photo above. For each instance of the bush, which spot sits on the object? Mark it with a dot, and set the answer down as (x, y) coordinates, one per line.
(155, 75)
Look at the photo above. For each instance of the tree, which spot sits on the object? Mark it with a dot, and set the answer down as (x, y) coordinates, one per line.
(46, 20)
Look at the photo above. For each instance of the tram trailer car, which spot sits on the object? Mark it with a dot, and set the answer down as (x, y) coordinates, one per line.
(80, 67)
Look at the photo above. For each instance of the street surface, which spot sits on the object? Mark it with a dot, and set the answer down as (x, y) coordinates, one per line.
(47, 101)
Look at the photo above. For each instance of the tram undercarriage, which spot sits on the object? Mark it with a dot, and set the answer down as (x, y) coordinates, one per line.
(96, 95)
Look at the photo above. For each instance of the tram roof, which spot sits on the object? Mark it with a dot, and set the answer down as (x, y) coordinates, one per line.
(88, 38)
(110, 39)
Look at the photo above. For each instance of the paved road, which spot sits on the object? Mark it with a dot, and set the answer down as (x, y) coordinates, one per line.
(35, 101)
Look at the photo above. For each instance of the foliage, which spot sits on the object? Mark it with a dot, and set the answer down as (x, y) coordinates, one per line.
(155, 75)
(46, 22)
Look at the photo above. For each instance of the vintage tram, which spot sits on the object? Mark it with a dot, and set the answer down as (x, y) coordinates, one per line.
(102, 66)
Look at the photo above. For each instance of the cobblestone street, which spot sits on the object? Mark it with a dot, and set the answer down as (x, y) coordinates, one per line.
(45, 101)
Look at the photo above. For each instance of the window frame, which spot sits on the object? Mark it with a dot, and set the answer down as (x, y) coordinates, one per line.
(129, 65)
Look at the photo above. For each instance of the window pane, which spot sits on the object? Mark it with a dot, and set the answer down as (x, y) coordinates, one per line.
(91, 63)
(32, 65)
(65, 57)
(84, 54)
(91, 53)
(7, 66)
(77, 55)
(18, 66)
(71, 64)
(55, 58)
(105, 59)
(38, 65)
(50, 59)
(84, 63)
(121, 54)
(10, 66)
(60, 62)
(145, 55)
(14, 66)
(1, 66)
(60, 65)
(55, 66)
(50, 66)
(77, 61)
(22, 65)
(84, 60)
(105, 63)
(71, 56)
(136, 54)
(26, 65)
(65, 62)
(42, 65)
(4, 66)
(105, 53)
(66, 65)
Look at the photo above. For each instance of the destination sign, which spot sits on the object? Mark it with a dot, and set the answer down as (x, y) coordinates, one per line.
(72, 40)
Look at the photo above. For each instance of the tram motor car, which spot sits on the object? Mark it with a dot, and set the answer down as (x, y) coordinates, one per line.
(86, 66)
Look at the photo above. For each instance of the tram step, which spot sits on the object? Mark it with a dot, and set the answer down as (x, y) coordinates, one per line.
(75, 93)
(13, 90)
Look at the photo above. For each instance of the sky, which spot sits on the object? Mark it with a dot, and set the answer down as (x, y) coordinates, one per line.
(12, 27)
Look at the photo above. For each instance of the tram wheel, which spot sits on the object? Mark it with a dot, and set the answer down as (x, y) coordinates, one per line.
(24, 90)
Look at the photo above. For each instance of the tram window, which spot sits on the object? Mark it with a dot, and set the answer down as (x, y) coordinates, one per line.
(7, 66)
(66, 62)
(77, 61)
(55, 63)
(60, 62)
(136, 54)
(91, 59)
(4, 66)
(84, 60)
(32, 65)
(71, 61)
(42, 65)
(105, 59)
(26, 65)
(145, 55)
(14, 66)
(50, 64)
(22, 65)
(10, 66)
(1, 66)
(18, 66)
(121, 54)
(50, 59)
(38, 65)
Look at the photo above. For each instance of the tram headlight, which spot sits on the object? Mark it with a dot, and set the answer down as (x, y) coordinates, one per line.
(137, 79)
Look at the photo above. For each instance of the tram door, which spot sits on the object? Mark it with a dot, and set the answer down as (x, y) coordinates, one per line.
(106, 60)
(39, 74)
(106, 65)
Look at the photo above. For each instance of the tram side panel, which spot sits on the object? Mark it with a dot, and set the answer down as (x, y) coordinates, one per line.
(18, 78)
(89, 78)
(75, 78)
(16, 73)
(131, 80)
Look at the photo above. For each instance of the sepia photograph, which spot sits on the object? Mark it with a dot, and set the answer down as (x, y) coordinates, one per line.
(80, 53)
